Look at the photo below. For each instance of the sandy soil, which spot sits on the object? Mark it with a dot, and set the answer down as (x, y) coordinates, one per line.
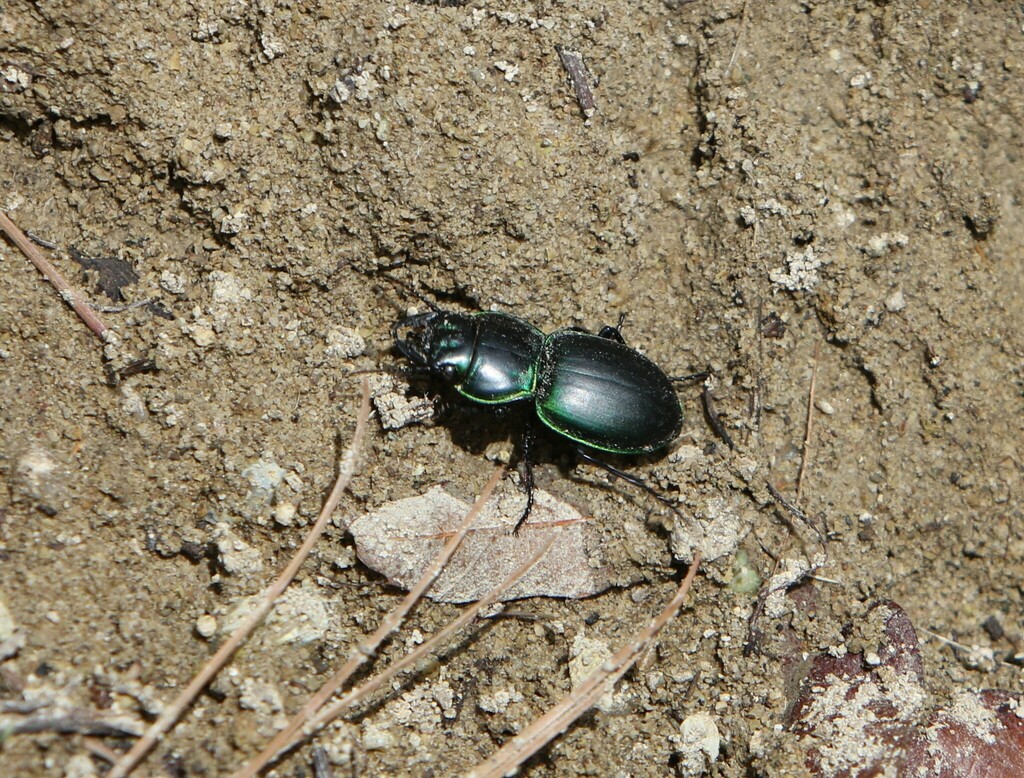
(775, 190)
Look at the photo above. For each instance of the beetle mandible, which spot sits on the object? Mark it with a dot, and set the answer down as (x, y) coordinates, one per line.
(591, 389)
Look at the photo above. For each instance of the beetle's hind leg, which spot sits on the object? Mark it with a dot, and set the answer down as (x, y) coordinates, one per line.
(708, 401)
(632, 479)
(691, 378)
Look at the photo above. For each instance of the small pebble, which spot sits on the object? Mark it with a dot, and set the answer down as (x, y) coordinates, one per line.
(80, 766)
(825, 407)
(376, 737)
(172, 282)
(206, 626)
(499, 451)
(284, 514)
(344, 343)
(697, 745)
(895, 302)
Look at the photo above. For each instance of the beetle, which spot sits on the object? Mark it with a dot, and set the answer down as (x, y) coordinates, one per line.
(593, 390)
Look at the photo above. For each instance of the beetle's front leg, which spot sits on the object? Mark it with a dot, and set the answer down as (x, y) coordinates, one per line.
(445, 408)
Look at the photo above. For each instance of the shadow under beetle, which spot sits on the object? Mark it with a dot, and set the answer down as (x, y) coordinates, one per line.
(591, 389)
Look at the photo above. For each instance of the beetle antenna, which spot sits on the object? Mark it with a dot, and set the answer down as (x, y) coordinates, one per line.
(411, 291)
(379, 370)
(410, 372)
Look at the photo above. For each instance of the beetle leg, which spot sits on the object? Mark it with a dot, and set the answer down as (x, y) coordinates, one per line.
(527, 442)
(683, 379)
(708, 400)
(443, 408)
(636, 481)
(716, 423)
(609, 332)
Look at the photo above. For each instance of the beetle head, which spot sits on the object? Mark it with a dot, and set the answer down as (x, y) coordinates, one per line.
(440, 341)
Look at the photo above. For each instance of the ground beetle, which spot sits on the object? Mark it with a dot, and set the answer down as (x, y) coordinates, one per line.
(592, 389)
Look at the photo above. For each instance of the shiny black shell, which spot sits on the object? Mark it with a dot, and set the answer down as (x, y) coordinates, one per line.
(591, 389)
(605, 395)
(504, 363)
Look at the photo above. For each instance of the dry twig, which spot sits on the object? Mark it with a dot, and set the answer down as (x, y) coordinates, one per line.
(321, 764)
(98, 748)
(339, 708)
(170, 715)
(739, 38)
(556, 720)
(961, 648)
(572, 61)
(367, 649)
(44, 266)
(67, 722)
(804, 454)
